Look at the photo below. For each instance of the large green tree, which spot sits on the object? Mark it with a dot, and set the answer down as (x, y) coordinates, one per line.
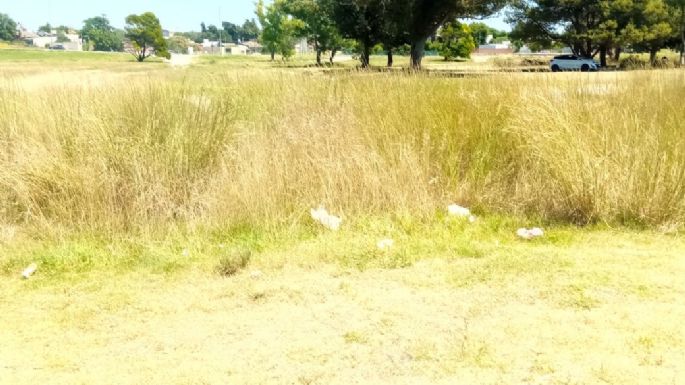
(426, 16)
(99, 34)
(591, 27)
(575, 23)
(250, 30)
(455, 41)
(279, 31)
(145, 34)
(8, 28)
(361, 20)
(651, 27)
(317, 25)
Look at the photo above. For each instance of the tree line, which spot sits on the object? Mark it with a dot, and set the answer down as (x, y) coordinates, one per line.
(588, 27)
(394, 24)
(602, 27)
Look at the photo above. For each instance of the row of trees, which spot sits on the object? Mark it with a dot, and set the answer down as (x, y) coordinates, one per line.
(588, 27)
(144, 33)
(602, 27)
(228, 32)
(391, 23)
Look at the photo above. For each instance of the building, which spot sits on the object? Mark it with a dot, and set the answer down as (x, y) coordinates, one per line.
(253, 47)
(24, 33)
(74, 42)
(503, 48)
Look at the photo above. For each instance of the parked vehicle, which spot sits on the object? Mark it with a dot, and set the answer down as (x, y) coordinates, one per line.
(573, 63)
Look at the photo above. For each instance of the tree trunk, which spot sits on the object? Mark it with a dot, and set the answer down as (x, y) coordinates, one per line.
(603, 56)
(317, 48)
(418, 49)
(366, 55)
(682, 34)
(682, 40)
(273, 55)
(390, 58)
(652, 56)
(617, 53)
(333, 52)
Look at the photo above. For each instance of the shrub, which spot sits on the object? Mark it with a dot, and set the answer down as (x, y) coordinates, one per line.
(633, 62)
(235, 261)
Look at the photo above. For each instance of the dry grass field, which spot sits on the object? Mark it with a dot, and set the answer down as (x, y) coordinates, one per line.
(167, 210)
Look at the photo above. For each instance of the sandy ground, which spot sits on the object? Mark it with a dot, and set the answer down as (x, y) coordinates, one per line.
(332, 326)
(180, 60)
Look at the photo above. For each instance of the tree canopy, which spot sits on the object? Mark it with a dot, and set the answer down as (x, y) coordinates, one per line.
(279, 31)
(455, 41)
(145, 34)
(591, 27)
(8, 28)
(99, 34)
(317, 25)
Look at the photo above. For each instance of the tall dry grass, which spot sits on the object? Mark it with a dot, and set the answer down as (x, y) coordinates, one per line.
(263, 147)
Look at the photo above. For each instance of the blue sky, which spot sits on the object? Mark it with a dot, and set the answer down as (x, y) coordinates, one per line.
(175, 15)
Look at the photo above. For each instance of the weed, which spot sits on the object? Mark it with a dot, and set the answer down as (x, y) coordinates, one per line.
(235, 261)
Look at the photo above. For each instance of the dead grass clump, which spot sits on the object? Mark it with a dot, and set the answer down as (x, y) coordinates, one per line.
(235, 261)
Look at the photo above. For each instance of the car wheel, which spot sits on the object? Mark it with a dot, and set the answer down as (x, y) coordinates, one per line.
(555, 68)
(585, 68)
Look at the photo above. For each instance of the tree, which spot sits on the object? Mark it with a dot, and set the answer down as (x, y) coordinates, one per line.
(194, 36)
(250, 30)
(455, 41)
(232, 31)
(101, 35)
(8, 28)
(426, 16)
(317, 25)
(62, 37)
(546, 21)
(178, 44)
(480, 32)
(678, 11)
(650, 28)
(394, 32)
(361, 20)
(588, 27)
(47, 28)
(278, 30)
(145, 35)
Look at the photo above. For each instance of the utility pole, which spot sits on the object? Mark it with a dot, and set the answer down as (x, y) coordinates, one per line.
(221, 45)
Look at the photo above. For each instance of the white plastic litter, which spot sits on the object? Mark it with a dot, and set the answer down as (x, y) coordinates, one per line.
(256, 274)
(385, 244)
(327, 220)
(458, 211)
(537, 232)
(28, 272)
(527, 234)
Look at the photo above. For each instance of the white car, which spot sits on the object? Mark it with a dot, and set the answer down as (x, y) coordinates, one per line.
(573, 63)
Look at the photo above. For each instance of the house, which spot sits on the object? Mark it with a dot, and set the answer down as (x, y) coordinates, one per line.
(24, 33)
(253, 47)
(238, 49)
(503, 48)
(49, 40)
